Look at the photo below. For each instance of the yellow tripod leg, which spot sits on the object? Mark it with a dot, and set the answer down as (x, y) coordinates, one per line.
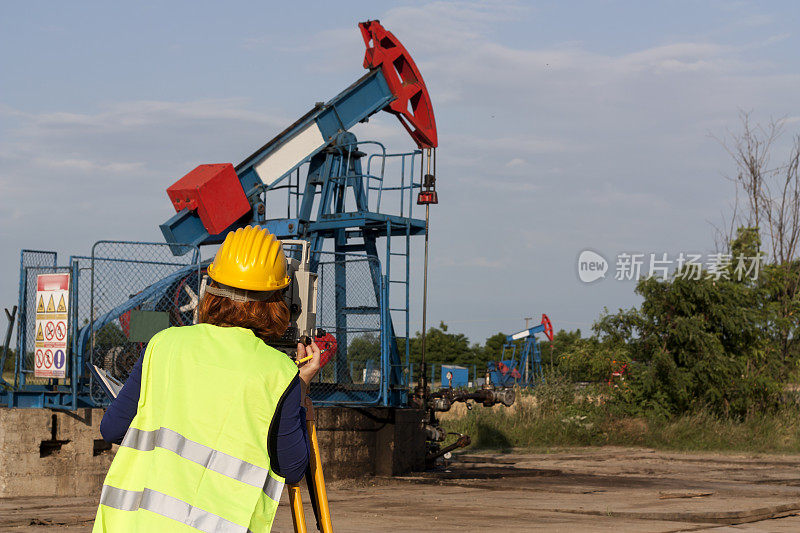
(320, 495)
(298, 516)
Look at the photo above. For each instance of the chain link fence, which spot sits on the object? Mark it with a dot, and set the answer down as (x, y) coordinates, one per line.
(32, 264)
(125, 292)
(137, 289)
(349, 310)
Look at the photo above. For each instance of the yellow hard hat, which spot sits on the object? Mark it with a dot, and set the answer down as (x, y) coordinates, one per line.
(250, 258)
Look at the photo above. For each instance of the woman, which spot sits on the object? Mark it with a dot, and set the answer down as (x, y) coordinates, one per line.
(218, 425)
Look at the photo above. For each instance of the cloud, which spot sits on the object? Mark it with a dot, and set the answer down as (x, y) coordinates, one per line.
(529, 144)
(684, 56)
(104, 173)
(144, 113)
(85, 165)
(465, 30)
(452, 24)
(107, 139)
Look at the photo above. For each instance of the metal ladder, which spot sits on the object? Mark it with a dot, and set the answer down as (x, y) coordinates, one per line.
(406, 188)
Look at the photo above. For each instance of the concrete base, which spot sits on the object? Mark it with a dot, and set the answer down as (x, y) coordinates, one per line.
(57, 453)
(378, 441)
(52, 453)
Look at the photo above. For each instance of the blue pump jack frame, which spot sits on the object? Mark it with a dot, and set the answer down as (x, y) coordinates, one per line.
(333, 167)
(530, 360)
(330, 175)
(355, 104)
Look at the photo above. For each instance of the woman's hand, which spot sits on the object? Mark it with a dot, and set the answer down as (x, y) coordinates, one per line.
(310, 368)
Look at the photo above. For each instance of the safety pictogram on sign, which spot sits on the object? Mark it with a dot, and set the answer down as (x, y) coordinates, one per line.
(48, 358)
(39, 334)
(62, 308)
(49, 330)
(50, 307)
(59, 359)
(40, 307)
(39, 358)
(61, 330)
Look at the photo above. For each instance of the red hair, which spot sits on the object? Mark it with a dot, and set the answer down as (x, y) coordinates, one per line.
(268, 319)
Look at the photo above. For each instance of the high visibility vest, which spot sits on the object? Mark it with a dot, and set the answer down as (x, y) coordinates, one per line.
(196, 455)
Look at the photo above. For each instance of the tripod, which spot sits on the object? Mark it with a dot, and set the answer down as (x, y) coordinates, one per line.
(316, 489)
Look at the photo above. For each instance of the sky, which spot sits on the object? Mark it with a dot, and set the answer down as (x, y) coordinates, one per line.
(563, 126)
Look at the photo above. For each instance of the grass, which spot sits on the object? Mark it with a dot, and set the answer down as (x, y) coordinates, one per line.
(548, 420)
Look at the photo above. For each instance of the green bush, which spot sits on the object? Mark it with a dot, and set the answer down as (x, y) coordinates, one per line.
(559, 415)
(592, 360)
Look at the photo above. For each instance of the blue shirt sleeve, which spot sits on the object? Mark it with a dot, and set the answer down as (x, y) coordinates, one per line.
(290, 439)
(288, 443)
(120, 413)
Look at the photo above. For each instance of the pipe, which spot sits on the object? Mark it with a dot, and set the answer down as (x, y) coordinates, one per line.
(423, 365)
(462, 442)
(443, 399)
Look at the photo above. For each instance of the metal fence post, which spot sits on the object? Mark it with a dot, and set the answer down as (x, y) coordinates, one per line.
(385, 370)
(21, 322)
(75, 362)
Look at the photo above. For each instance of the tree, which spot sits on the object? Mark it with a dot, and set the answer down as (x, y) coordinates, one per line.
(770, 216)
(563, 342)
(772, 191)
(493, 348)
(700, 343)
(10, 358)
(442, 347)
(365, 347)
(714, 339)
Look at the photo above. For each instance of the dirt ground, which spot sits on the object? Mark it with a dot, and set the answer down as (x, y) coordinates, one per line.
(575, 490)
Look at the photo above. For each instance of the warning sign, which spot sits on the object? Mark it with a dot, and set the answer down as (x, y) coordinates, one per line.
(52, 325)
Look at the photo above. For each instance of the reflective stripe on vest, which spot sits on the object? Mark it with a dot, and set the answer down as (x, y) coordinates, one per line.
(212, 459)
(169, 507)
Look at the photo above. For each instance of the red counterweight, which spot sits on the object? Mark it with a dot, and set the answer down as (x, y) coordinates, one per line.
(215, 192)
(548, 327)
(413, 103)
